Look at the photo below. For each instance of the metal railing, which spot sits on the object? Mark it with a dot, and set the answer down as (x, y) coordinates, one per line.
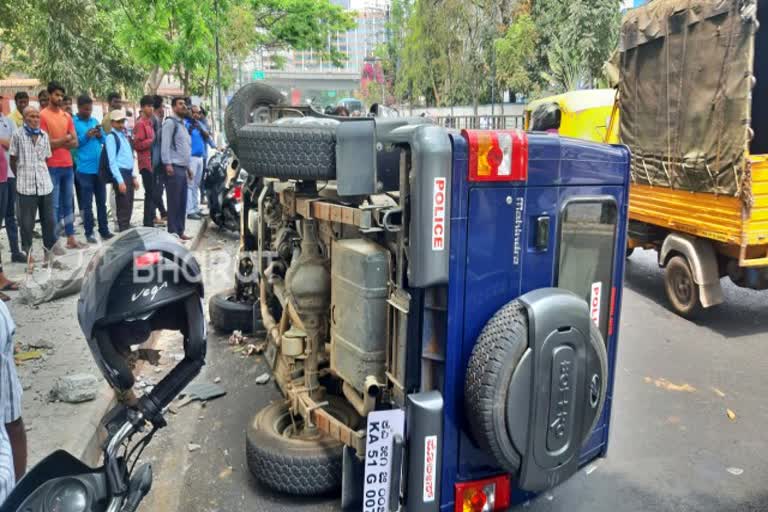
(495, 122)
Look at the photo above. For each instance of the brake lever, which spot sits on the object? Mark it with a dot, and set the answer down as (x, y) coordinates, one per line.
(139, 487)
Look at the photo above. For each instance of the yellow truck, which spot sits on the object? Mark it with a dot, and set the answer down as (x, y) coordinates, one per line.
(692, 97)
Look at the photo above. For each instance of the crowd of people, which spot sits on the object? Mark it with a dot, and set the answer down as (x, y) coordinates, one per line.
(52, 158)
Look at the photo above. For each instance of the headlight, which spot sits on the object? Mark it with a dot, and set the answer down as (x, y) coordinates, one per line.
(68, 496)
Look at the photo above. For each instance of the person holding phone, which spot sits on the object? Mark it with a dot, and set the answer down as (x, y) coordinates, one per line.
(90, 139)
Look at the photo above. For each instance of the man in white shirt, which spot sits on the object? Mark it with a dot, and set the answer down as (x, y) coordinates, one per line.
(13, 437)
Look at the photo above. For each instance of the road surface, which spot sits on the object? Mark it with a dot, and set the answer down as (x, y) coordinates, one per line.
(673, 446)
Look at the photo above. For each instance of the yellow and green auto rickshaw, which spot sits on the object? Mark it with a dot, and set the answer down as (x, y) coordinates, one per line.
(586, 114)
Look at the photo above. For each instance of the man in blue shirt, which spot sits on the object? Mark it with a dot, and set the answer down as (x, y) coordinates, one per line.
(199, 136)
(120, 156)
(90, 139)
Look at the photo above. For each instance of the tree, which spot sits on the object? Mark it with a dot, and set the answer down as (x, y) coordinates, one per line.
(70, 41)
(515, 55)
(177, 35)
(575, 38)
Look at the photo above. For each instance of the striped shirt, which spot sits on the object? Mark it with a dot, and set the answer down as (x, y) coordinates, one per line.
(10, 400)
(32, 177)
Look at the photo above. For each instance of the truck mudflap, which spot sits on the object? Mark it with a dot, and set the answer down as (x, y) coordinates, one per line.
(424, 431)
(402, 465)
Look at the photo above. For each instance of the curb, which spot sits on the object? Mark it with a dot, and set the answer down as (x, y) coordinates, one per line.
(88, 444)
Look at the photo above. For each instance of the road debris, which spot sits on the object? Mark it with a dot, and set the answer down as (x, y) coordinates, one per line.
(255, 348)
(192, 447)
(29, 355)
(663, 383)
(263, 378)
(41, 345)
(217, 380)
(735, 471)
(717, 392)
(731, 415)
(237, 338)
(202, 391)
(75, 389)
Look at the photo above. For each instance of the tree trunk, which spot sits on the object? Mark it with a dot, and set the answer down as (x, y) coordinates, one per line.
(154, 80)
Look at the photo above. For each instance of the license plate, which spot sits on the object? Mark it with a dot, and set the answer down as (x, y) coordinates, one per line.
(383, 426)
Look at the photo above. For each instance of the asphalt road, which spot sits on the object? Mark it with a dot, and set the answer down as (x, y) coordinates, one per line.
(673, 446)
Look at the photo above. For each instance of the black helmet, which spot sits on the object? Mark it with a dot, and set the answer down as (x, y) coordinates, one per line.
(142, 281)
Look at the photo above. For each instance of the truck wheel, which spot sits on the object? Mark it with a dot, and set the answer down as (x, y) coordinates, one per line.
(250, 104)
(495, 357)
(227, 314)
(682, 290)
(298, 152)
(300, 464)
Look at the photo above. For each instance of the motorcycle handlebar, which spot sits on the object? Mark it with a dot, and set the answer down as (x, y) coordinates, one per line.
(162, 395)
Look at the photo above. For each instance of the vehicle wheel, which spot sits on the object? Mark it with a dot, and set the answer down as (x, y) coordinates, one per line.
(296, 152)
(227, 314)
(298, 464)
(250, 104)
(682, 290)
(495, 357)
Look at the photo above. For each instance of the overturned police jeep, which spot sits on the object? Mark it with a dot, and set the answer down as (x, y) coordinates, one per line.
(441, 308)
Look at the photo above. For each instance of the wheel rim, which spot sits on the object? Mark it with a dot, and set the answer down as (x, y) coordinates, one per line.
(292, 427)
(682, 286)
(260, 115)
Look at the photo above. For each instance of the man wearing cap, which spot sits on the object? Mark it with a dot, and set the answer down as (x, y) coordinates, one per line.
(120, 156)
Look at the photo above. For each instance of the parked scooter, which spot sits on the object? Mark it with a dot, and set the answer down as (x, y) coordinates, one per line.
(223, 187)
(141, 282)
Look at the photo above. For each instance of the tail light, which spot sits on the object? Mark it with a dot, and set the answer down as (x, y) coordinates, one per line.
(483, 495)
(147, 259)
(237, 193)
(499, 155)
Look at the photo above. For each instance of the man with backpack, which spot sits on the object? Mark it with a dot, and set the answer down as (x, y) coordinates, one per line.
(175, 154)
(119, 157)
(90, 139)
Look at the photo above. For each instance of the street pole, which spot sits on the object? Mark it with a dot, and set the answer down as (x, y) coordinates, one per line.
(493, 85)
(218, 73)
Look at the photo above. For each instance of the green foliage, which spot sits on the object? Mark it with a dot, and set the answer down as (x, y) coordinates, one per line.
(100, 45)
(579, 37)
(515, 55)
(71, 41)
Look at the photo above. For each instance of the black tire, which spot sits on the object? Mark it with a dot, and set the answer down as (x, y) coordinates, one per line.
(297, 466)
(682, 290)
(495, 357)
(248, 105)
(227, 314)
(288, 152)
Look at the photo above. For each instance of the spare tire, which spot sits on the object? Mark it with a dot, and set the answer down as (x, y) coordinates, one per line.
(250, 104)
(228, 314)
(496, 355)
(295, 152)
(296, 463)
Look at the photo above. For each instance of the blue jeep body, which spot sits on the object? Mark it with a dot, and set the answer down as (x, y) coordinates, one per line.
(494, 259)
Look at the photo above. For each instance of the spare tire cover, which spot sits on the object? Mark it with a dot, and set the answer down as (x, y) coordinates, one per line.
(495, 357)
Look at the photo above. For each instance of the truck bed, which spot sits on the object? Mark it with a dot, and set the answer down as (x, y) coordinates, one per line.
(730, 220)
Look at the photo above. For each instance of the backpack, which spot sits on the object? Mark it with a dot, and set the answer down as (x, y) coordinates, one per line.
(105, 173)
